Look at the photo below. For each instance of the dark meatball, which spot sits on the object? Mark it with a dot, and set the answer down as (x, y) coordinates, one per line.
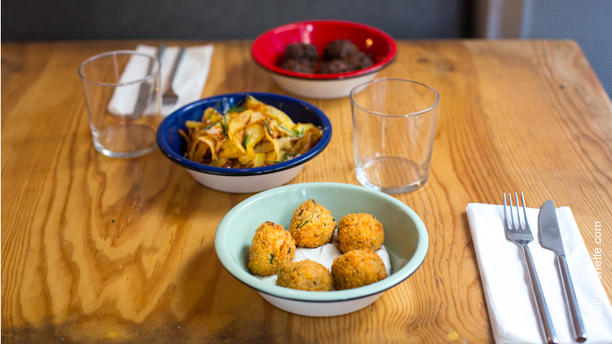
(335, 66)
(298, 65)
(301, 51)
(359, 60)
(340, 49)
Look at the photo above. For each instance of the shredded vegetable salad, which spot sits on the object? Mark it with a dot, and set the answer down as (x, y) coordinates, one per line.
(250, 134)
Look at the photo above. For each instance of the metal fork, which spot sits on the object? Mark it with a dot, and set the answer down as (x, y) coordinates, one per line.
(144, 92)
(519, 233)
(170, 97)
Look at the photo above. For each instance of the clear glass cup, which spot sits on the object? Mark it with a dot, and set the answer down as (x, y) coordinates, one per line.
(394, 122)
(122, 93)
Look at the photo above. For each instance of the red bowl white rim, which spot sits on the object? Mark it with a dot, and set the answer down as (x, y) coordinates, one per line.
(271, 66)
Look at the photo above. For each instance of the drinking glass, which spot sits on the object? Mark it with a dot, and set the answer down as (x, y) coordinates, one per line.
(121, 90)
(394, 122)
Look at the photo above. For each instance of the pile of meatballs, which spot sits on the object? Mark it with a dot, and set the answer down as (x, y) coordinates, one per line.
(339, 56)
(312, 225)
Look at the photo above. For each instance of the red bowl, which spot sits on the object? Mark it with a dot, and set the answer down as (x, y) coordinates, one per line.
(270, 46)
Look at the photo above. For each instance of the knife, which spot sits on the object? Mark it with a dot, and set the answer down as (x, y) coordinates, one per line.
(550, 238)
(145, 88)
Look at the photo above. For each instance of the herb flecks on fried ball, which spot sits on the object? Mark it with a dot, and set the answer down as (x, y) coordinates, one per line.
(357, 268)
(271, 247)
(356, 231)
(305, 275)
(312, 225)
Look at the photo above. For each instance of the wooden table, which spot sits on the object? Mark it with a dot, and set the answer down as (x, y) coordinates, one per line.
(102, 250)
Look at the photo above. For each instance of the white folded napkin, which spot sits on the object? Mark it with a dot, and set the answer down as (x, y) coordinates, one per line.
(506, 283)
(188, 81)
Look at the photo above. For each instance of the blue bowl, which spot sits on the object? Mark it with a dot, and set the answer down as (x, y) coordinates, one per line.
(241, 180)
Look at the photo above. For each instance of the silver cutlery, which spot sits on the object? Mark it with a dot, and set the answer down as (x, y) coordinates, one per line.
(170, 97)
(519, 233)
(550, 238)
(145, 89)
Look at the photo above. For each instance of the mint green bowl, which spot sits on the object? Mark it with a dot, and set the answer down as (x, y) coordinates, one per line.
(406, 241)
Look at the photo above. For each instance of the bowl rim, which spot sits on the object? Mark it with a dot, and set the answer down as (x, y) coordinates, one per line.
(174, 156)
(272, 68)
(391, 281)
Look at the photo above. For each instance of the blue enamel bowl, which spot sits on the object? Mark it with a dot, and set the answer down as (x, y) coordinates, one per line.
(241, 180)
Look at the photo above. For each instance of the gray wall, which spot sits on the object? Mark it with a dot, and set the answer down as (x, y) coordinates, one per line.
(218, 19)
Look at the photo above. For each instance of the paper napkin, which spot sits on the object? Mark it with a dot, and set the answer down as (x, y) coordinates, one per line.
(505, 280)
(188, 83)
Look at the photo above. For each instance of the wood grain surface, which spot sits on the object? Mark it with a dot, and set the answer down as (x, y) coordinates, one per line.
(104, 250)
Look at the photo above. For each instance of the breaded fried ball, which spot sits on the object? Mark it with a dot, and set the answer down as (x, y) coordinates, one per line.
(361, 230)
(272, 246)
(305, 275)
(312, 225)
(357, 268)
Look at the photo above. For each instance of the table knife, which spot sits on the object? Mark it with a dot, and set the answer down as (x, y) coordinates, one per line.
(145, 88)
(550, 238)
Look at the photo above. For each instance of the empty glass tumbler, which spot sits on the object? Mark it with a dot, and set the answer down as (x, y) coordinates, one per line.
(394, 122)
(121, 90)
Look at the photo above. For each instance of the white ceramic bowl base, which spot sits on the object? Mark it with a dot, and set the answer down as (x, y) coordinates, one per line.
(320, 89)
(246, 184)
(320, 309)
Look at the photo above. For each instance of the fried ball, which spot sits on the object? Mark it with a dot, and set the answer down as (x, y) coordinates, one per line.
(272, 246)
(360, 231)
(340, 49)
(335, 66)
(305, 275)
(312, 225)
(357, 268)
(301, 51)
(298, 65)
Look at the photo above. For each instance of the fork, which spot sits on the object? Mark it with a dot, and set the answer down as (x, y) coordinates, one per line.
(144, 92)
(170, 97)
(519, 233)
